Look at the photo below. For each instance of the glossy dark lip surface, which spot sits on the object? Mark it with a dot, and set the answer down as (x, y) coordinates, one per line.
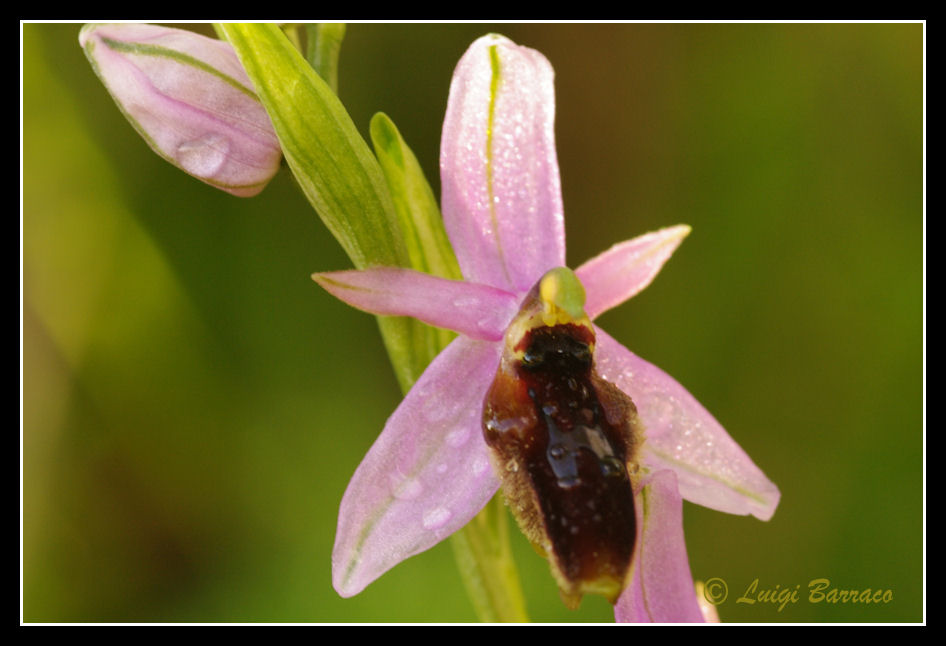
(573, 448)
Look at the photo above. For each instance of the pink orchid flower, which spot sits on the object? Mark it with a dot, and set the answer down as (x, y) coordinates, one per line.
(429, 472)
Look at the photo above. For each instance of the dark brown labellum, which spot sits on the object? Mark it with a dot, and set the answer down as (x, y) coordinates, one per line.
(564, 441)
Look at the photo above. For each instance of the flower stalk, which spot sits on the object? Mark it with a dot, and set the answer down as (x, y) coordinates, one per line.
(485, 561)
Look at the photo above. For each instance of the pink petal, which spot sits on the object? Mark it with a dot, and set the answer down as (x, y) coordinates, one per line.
(712, 470)
(427, 474)
(627, 268)
(502, 200)
(662, 587)
(478, 311)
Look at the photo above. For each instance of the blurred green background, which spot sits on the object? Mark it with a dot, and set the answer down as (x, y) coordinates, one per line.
(193, 404)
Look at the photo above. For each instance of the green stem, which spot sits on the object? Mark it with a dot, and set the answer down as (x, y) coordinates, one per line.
(487, 567)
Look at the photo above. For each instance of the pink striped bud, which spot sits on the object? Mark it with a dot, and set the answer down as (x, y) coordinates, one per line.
(190, 99)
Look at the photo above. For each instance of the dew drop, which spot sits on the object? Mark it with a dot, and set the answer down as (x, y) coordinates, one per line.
(458, 436)
(557, 451)
(436, 518)
(512, 465)
(568, 482)
(479, 466)
(204, 156)
(486, 324)
(408, 489)
(464, 302)
(611, 467)
(435, 410)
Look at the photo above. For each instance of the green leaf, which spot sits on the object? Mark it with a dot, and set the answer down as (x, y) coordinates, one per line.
(414, 201)
(291, 30)
(334, 166)
(417, 210)
(337, 173)
(324, 40)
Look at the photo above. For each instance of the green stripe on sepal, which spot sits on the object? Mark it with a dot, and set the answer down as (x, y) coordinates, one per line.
(156, 51)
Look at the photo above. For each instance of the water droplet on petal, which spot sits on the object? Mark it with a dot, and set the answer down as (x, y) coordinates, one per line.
(436, 517)
(464, 302)
(567, 482)
(408, 489)
(611, 467)
(205, 156)
(435, 410)
(486, 324)
(479, 466)
(458, 436)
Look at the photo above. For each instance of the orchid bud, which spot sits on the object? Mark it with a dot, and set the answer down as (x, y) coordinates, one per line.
(190, 99)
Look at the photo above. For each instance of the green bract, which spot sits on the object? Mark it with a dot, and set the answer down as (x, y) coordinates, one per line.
(335, 169)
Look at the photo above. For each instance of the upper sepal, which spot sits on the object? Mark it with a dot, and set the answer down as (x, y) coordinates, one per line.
(502, 202)
(188, 96)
